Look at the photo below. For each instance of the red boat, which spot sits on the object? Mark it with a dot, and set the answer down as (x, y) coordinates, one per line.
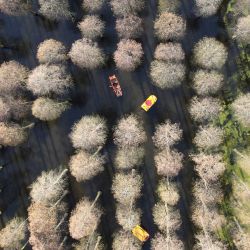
(115, 85)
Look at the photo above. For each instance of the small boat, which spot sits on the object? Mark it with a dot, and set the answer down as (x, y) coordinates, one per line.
(115, 85)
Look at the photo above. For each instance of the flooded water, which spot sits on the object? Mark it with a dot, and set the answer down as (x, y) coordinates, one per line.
(49, 146)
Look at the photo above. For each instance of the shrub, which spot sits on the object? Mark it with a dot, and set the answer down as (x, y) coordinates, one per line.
(241, 107)
(242, 31)
(84, 219)
(5, 111)
(207, 7)
(93, 6)
(48, 187)
(55, 10)
(208, 137)
(13, 77)
(51, 51)
(84, 166)
(86, 54)
(207, 82)
(168, 163)
(91, 27)
(49, 79)
(167, 74)
(161, 242)
(167, 134)
(128, 158)
(89, 133)
(13, 235)
(209, 53)
(169, 52)
(12, 135)
(169, 26)
(126, 188)
(126, 7)
(47, 109)
(14, 7)
(204, 109)
(128, 55)
(129, 27)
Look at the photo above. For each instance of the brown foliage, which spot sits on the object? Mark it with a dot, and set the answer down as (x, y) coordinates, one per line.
(126, 7)
(161, 242)
(93, 6)
(207, 7)
(14, 7)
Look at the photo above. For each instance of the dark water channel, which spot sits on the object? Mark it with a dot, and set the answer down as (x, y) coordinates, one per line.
(49, 147)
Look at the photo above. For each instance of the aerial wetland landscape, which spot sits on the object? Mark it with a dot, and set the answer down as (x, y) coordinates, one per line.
(125, 124)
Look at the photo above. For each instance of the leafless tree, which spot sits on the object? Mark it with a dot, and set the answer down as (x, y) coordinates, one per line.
(93, 242)
(169, 26)
(49, 187)
(55, 10)
(128, 55)
(242, 240)
(167, 134)
(241, 8)
(86, 54)
(48, 79)
(84, 166)
(123, 240)
(51, 51)
(167, 74)
(168, 163)
(84, 219)
(129, 132)
(91, 27)
(47, 109)
(168, 6)
(5, 111)
(129, 27)
(207, 82)
(126, 7)
(13, 235)
(208, 242)
(89, 133)
(210, 53)
(204, 109)
(207, 7)
(208, 137)
(13, 77)
(127, 187)
(161, 242)
(169, 52)
(93, 6)
(241, 107)
(128, 158)
(14, 7)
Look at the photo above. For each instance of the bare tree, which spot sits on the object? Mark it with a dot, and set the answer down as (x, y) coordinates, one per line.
(89, 133)
(13, 235)
(242, 240)
(208, 242)
(241, 8)
(55, 10)
(5, 111)
(241, 107)
(48, 79)
(128, 55)
(169, 52)
(208, 137)
(129, 132)
(51, 51)
(84, 219)
(14, 7)
(126, 7)
(93, 6)
(242, 31)
(13, 77)
(84, 166)
(129, 27)
(91, 27)
(169, 26)
(210, 53)
(168, 163)
(94, 242)
(86, 54)
(204, 109)
(207, 7)
(123, 240)
(128, 158)
(167, 134)
(207, 82)
(47, 109)
(49, 187)
(167, 74)
(127, 187)
(168, 6)
(161, 242)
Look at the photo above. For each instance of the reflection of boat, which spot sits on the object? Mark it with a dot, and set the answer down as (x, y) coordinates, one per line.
(115, 85)
(151, 100)
(140, 233)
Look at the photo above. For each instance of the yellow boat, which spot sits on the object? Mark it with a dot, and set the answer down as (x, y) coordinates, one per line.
(140, 233)
(151, 100)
